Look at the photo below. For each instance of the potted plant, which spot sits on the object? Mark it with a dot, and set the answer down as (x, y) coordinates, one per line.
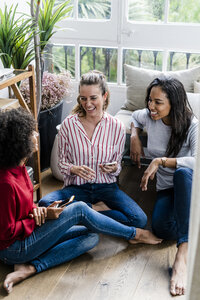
(55, 88)
(17, 50)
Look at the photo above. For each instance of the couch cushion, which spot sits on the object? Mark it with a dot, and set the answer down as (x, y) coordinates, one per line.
(196, 87)
(194, 100)
(125, 117)
(138, 79)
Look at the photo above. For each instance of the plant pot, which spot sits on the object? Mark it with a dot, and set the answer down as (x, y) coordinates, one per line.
(48, 120)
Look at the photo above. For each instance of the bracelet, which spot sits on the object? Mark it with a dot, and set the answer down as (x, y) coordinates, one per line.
(164, 160)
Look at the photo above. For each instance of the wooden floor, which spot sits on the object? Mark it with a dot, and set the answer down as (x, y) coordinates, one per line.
(113, 270)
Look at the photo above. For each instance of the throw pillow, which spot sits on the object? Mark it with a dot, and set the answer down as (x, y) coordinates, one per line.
(194, 100)
(196, 87)
(138, 79)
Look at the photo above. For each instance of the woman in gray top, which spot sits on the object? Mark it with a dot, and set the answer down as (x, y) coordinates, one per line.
(172, 138)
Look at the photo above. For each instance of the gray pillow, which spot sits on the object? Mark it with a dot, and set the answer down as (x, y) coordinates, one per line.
(138, 79)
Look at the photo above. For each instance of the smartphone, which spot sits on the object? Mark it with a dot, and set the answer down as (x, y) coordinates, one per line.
(66, 202)
(110, 163)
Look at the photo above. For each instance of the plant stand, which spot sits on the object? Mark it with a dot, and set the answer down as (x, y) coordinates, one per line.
(16, 77)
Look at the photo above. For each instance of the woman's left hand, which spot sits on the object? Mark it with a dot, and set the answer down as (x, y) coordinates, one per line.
(39, 214)
(53, 212)
(108, 168)
(149, 173)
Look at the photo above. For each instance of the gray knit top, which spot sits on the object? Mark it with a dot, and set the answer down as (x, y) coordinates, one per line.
(158, 137)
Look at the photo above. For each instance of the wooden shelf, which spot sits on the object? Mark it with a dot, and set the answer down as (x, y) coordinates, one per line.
(8, 103)
(12, 81)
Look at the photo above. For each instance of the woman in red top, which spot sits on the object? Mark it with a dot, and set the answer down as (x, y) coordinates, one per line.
(27, 240)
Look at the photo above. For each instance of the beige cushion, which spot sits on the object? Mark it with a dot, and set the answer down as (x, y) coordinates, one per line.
(196, 87)
(194, 100)
(54, 158)
(138, 79)
(125, 117)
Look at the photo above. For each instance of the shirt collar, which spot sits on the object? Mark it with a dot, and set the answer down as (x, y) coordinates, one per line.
(15, 170)
(104, 117)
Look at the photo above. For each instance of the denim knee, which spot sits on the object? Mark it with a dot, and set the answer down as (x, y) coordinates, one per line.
(92, 241)
(182, 174)
(140, 221)
(44, 202)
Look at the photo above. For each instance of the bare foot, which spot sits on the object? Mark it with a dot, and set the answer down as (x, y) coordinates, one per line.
(21, 272)
(179, 271)
(145, 237)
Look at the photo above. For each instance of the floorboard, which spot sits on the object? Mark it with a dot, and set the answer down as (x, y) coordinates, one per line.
(113, 270)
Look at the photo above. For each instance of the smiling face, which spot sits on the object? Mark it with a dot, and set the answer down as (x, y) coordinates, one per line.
(159, 105)
(92, 100)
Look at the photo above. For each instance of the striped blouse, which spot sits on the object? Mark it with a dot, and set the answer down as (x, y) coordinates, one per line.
(75, 148)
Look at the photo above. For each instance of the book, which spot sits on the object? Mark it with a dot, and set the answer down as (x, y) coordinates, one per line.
(6, 73)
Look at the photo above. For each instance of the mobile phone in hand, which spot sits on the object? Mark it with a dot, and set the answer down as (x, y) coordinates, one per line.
(110, 163)
(66, 202)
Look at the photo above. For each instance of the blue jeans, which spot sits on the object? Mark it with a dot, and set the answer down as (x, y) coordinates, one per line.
(170, 218)
(123, 209)
(58, 241)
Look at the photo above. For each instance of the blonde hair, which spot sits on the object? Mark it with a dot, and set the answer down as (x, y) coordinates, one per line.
(93, 77)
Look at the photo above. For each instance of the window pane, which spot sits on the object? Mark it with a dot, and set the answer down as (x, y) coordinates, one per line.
(70, 4)
(185, 11)
(102, 59)
(59, 58)
(147, 59)
(146, 10)
(94, 9)
(181, 61)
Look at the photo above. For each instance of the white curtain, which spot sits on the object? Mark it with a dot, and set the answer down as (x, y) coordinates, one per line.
(193, 285)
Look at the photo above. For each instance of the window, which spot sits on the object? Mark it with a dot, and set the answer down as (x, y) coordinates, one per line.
(180, 60)
(146, 11)
(60, 57)
(184, 11)
(180, 11)
(102, 59)
(105, 34)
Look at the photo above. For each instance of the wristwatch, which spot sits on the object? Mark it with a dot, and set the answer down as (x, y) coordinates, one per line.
(163, 160)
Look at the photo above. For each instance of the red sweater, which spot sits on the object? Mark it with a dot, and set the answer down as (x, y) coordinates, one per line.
(16, 202)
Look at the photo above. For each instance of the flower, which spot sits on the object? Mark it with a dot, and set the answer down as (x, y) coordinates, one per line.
(54, 88)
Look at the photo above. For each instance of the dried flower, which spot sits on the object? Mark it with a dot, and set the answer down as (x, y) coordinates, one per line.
(54, 88)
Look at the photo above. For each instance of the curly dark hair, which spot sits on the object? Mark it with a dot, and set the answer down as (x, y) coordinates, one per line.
(16, 128)
(180, 113)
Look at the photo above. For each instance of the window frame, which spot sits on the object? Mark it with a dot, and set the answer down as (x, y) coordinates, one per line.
(119, 32)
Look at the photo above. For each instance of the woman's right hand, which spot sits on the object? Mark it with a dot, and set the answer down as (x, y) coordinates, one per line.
(84, 172)
(53, 212)
(136, 150)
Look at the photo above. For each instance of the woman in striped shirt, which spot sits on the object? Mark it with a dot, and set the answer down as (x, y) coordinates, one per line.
(91, 144)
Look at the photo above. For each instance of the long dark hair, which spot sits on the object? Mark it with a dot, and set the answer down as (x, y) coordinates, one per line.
(93, 77)
(180, 113)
